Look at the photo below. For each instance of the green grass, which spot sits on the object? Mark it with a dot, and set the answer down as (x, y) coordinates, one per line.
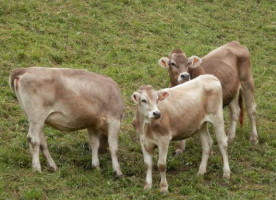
(125, 40)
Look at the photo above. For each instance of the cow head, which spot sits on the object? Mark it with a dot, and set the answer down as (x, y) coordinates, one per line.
(179, 65)
(146, 99)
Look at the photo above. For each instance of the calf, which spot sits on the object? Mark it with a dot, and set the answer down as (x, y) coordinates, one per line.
(230, 63)
(178, 113)
(69, 100)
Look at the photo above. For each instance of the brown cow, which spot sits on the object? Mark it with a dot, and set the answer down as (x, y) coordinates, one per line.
(69, 100)
(177, 113)
(231, 64)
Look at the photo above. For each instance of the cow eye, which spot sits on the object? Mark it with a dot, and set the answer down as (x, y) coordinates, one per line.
(172, 64)
(144, 100)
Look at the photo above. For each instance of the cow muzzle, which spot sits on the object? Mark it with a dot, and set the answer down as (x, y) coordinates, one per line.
(155, 115)
(183, 77)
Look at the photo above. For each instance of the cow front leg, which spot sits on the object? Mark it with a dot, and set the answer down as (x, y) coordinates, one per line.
(33, 137)
(147, 153)
(180, 147)
(113, 136)
(163, 147)
(94, 144)
(44, 149)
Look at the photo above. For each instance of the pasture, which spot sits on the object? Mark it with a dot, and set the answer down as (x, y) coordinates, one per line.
(124, 40)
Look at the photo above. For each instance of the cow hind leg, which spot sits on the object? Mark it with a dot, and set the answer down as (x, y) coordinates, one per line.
(248, 93)
(234, 116)
(44, 149)
(94, 144)
(35, 129)
(206, 144)
(180, 147)
(223, 144)
(113, 136)
(103, 143)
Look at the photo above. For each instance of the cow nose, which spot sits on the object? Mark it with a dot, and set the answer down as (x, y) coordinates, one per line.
(185, 76)
(157, 114)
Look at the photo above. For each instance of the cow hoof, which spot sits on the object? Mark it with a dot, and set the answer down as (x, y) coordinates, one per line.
(230, 140)
(147, 187)
(37, 169)
(118, 174)
(226, 175)
(97, 167)
(53, 168)
(164, 190)
(178, 152)
(200, 173)
(253, 140)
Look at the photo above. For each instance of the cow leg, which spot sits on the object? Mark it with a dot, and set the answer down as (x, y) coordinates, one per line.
(44, 149)
(180, 147)
(33, 136)
(113, 136)
(248, 93)
(163, 147)
(206, 145)
(234, 116)
(222, 143)
(94, 144)
(147, 153)
(103, 143)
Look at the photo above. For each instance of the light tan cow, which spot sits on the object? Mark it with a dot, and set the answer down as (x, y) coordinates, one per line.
(230, 63)
(178, 113)
(69, 100)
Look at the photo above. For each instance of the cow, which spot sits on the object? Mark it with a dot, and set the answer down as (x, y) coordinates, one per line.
(175, 114)
(69, 100)
(230, 63)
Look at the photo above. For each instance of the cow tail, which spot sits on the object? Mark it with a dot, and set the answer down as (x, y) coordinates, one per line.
(11, 82)
(15, 75)
(241, 116)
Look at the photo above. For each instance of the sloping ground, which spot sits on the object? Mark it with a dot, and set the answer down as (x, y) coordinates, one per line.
(124, 40)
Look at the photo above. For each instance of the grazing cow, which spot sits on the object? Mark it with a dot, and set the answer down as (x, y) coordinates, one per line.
(178, 113)
(69, 100)
(230, 63)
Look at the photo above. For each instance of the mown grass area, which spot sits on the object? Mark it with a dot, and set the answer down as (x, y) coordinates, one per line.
(124, 40)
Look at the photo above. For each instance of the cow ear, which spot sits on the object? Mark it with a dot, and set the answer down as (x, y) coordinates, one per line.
(164, 62)
(135, 97)
(162, 94)
(194, 62)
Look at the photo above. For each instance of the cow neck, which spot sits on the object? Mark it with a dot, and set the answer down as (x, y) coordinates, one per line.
(172, 84)
(143, 125)
(197, 72)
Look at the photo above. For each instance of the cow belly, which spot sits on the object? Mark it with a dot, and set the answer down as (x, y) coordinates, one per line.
(188, 130)
(182, 136)
(65, 122)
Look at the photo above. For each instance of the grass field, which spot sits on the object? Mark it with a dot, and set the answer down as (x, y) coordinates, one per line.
(124, 40)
